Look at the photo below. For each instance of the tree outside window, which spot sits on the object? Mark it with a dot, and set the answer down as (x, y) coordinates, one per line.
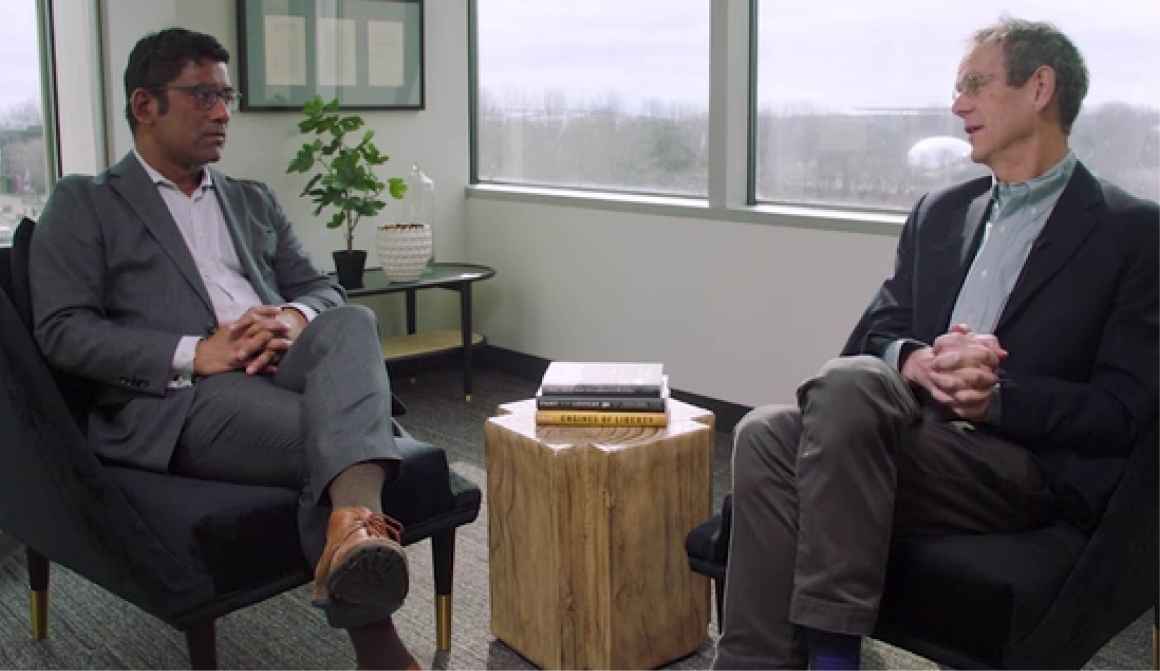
(23, 169)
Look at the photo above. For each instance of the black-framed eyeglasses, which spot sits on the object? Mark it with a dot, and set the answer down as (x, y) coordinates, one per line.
(971, 84)
(205, 97)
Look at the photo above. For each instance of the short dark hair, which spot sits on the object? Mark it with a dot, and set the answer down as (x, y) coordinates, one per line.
(158, 58)
(1027, 45)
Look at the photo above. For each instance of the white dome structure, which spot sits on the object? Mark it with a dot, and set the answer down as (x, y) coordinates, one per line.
(938, 152)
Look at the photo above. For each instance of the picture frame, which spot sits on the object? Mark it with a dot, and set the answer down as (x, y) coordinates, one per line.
(367, 53)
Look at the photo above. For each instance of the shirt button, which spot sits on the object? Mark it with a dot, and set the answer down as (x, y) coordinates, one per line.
(984, 273)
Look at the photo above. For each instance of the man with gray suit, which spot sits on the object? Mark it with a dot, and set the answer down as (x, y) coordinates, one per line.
(217, 349)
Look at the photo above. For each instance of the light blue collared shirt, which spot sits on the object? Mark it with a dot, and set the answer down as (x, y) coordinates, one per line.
(1019, 212)
(1018, 215)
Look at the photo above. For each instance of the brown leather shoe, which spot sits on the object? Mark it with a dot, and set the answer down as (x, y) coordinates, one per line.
(363, 567)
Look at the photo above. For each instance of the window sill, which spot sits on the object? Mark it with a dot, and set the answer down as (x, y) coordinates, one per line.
(794, 216)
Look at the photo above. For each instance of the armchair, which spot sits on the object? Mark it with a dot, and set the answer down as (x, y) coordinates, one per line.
(1046, 598)
(185, 550)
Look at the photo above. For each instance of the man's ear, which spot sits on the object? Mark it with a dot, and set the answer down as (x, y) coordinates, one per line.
(1043, 79)
(145, 106)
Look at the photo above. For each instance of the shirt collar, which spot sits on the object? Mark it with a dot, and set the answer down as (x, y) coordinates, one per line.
(157, 178)
(1048, 184)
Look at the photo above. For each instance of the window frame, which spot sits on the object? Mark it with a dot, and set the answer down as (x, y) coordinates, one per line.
(50, 124)
(46, 46)
(1088, 153)
(473, 129)
(732, 143)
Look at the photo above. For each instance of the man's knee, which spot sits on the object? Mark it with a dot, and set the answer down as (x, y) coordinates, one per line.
(353, 312)
(349, 318)
(765, 436)
(857, 371)
(843, 381)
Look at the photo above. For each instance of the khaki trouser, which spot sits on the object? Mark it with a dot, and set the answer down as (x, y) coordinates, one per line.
(819, 490)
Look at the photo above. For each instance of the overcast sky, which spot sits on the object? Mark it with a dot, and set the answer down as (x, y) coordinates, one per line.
(888, 53)
(20, 69)
(843, 53)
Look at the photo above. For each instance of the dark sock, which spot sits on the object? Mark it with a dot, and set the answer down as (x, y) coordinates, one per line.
(832, 651)
(359, 485)
(377, 646)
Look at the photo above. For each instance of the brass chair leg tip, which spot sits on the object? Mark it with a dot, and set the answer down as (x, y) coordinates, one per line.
(443, 622)
(39, 613)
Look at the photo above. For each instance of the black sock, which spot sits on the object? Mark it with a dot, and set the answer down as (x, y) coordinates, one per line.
(833, 651)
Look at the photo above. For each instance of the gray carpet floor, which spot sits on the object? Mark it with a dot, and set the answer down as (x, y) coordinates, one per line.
(90, 628)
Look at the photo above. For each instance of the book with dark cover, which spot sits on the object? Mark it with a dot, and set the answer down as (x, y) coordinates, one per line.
(596, 402)
(603, 378)
(631, 403)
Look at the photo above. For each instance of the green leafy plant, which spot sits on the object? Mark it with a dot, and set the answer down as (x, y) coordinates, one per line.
(344, 176)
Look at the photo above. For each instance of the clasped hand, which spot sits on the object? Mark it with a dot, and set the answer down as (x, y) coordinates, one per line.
(254, 342)
(959, 370)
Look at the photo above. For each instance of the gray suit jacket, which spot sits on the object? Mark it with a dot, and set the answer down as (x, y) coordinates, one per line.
(114, 288)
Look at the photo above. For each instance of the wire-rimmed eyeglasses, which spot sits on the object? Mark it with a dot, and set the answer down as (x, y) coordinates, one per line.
(971, 84)
(205, 97)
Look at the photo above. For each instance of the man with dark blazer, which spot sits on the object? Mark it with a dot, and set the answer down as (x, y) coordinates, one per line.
(216, 348)
(1014, 345)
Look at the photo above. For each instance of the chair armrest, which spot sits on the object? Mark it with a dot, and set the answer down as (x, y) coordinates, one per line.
(422, 489)
(721, 538)
(707, 545)
(1114, 580)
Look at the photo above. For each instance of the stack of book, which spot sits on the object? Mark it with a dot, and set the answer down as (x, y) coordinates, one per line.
(603, 394)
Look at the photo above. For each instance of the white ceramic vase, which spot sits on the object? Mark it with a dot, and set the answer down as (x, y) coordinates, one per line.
(404, 250)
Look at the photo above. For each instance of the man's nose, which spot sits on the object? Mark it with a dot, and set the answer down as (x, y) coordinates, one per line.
(220, 110)
(960, 105)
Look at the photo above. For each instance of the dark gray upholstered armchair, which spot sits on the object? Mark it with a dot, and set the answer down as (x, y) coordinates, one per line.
(185, 550)
(1047, 598)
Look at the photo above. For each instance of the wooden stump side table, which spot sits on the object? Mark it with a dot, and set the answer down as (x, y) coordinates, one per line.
(586, 538)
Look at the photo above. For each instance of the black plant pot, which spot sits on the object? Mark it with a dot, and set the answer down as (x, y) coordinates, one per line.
(349, 264)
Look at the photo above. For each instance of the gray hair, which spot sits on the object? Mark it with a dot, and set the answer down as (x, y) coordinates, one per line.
(1027, 45)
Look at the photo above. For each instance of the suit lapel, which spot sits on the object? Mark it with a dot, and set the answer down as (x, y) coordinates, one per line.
(234, 207)
(972, 227)
(1069, 224)
(947, 260)
(132, 183)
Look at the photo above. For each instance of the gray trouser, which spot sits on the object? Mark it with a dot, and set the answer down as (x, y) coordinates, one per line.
(327, 407)
(819, 490)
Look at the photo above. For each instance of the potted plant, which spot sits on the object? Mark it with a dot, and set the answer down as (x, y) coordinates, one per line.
(344, 178)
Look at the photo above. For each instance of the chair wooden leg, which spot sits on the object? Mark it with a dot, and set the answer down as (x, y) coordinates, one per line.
(202, 643)
(1156, 635)
(38, 588)
(719, 597)
(443, 554)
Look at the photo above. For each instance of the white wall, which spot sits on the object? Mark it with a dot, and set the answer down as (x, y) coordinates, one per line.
(78, 87)
(736, 311)
(261, 144)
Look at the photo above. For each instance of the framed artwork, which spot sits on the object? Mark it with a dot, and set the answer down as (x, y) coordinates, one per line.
(367, 53)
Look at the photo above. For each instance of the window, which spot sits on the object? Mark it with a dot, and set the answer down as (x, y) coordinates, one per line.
(599, 94)
(853, 98)
(24, 177)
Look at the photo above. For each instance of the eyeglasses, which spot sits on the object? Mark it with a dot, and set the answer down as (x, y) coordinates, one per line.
(971, 84)
(206, 97)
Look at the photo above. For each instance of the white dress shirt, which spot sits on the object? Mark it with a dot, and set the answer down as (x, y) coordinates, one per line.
(202, 224)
